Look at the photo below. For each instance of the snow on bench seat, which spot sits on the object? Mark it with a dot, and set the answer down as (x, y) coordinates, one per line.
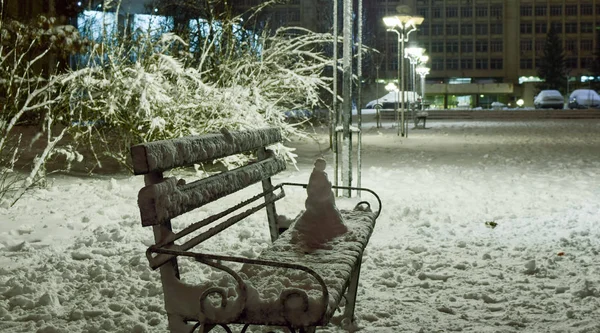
(334, 264)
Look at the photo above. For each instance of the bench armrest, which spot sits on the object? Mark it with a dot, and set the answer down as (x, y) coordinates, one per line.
(214, 260)
(304, 185)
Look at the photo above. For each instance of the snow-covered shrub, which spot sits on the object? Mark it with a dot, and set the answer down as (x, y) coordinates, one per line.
(30, 97)
(138, 88)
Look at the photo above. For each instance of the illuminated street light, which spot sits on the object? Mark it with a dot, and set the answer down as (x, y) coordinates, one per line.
(402, 25)
(422, 71)
(413, 53)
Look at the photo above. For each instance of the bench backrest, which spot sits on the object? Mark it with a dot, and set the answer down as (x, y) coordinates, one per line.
(165, 198)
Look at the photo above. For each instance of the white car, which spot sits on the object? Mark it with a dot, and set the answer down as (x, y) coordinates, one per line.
(389, 100)
(549, 99)
(583, 99)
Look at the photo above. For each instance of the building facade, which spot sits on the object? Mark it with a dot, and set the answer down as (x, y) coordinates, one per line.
(487, 50)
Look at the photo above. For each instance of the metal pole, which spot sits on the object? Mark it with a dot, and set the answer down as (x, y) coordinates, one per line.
(423, 92)
(359, 96)
(401, 58)
(333, 117)
(398, 117)
(347, 96)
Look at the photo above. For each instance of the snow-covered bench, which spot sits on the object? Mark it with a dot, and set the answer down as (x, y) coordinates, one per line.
(286, 285)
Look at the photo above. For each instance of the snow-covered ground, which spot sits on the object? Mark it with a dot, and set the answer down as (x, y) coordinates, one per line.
(73, 257)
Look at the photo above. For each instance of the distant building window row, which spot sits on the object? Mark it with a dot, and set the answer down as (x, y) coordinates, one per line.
(557, 10)
(495, 11)
(569, 28)
(526, 45)
(453, 46)
(570, 62)
(463, 29)
(455, 64)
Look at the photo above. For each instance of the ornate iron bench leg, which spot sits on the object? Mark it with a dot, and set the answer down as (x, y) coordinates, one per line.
(351, 292)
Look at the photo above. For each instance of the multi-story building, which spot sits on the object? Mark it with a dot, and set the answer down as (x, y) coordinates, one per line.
(487, 50)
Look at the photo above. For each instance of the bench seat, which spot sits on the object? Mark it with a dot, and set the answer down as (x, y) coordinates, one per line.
(334, 264)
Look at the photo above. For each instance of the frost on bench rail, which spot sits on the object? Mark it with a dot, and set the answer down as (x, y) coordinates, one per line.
(167, 154)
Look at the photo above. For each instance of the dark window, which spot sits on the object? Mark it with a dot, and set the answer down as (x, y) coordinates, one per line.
(466, 63)
(556, 10)
(539, 45)
(541, 28)
(466, 11)
(571, 27)
(451, 64)
(571, 10)
(424, 30)
(526, 10)
(496, 63)
(437, 29)
(437, 47)
(571, 62)
(525, 45)
(481, 64)
(451, 46)
(586, 45)
(481, 46)
(540, 10)
(466, 29)
(452, 29)
(496, 12)
(481, 11)
(586, 10)
(496, 46)
(526, 28)
(570, 45)
(437, 64)
(466, 46)
(526, 63)
(481, 29)
(586, 62)
(496, 29)
(436, 12)
(557, 26)
(423, 12)
(586, 27)
(451, 12)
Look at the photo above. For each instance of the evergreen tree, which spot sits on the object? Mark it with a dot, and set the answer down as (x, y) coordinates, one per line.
(551, 67)
(594, 67)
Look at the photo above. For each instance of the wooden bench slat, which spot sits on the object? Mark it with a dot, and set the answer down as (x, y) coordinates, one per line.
(164, 155)
(163, 201)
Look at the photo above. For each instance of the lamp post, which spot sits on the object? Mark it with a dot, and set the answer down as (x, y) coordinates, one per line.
(422, 71)
(414, 54)
(402, 24)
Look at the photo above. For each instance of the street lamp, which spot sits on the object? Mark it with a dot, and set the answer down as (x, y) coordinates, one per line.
(422, 71)
(413, 53)
(402, 25)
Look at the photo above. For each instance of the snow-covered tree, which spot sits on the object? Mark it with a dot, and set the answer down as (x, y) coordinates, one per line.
(551, 67)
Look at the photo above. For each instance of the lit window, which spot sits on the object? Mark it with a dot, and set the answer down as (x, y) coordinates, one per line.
(96, 24)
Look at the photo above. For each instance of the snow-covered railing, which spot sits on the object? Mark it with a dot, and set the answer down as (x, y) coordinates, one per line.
(285, 285)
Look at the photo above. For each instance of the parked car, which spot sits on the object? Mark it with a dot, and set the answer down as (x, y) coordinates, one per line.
(388, 101)
(549, 99)
(583, 99)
